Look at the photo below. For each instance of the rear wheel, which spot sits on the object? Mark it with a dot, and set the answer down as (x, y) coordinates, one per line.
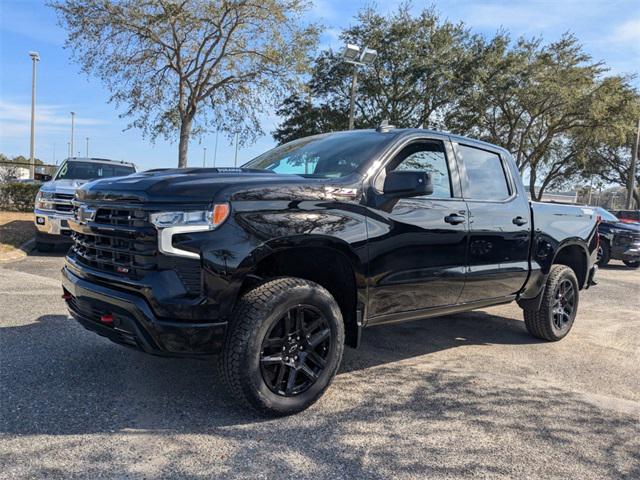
(604, 253)
(632, 263)
(557, 312)
(283, 346)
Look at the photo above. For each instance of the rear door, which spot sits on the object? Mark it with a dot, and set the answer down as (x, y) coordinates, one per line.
(499, 223)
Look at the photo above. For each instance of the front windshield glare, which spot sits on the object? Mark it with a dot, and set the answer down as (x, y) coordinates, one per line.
(608, 216)
(92, 170)
(325, 156)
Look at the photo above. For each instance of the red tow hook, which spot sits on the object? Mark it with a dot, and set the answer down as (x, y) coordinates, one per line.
(67, 296)
(107, 319)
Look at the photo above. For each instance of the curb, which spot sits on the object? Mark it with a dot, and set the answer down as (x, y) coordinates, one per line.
(18, 253)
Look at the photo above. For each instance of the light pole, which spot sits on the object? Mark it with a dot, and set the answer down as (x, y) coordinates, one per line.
(68, 149)
(215, 150)
(73, 121)
(35, 58)
(357, 57)
(87, 147)
(235, 160)
(631, 182)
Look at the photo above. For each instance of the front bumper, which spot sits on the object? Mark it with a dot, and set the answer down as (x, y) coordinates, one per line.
(52, 223)
(134, 323)
(629, 252)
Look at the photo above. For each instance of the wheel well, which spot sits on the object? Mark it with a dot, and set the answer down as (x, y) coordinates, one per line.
(325, 266)
(574, 257)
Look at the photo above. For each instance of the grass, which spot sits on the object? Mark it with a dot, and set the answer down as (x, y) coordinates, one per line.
(15, 229)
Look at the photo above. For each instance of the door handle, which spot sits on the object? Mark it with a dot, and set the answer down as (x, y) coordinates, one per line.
(454, 219)
(519, 221)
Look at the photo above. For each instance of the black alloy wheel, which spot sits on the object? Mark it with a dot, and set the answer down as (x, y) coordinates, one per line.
(283, 346)
(295, 351)
(564, 306)
(553, 317)
(604, 253)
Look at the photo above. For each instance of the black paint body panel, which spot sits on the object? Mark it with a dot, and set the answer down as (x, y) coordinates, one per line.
(407, 261)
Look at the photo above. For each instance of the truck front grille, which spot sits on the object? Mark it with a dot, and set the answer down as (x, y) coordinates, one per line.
(62, 202)
(123, 242)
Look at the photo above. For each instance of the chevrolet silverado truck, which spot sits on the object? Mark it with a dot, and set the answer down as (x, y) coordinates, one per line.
(53, 207)
(619, 240)
(277, 265)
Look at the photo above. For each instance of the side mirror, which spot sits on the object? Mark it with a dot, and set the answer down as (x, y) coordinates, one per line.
(407, 183)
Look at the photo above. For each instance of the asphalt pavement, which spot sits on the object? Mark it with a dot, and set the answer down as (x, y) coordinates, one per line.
(467, 395)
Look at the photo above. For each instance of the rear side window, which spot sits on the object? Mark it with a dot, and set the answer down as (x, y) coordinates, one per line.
(487, 180)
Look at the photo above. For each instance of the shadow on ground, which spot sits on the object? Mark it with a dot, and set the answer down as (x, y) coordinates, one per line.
(378, 421)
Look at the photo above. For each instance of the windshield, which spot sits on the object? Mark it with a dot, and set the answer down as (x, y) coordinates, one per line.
(325, 156)
(607, 216)
(91, 170)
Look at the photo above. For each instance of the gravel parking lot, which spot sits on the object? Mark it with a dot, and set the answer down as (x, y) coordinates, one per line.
(468, 395)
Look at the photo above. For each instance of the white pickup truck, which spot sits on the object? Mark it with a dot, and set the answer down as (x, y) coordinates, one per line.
(53, 206)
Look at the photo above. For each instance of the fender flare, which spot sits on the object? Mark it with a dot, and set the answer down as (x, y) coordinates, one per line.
(535, 302)
(248, 265)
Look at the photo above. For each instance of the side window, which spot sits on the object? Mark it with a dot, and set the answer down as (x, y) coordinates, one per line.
(431, 158)
(485, 173)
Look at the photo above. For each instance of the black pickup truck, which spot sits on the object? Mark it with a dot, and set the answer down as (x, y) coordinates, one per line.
(278, 264)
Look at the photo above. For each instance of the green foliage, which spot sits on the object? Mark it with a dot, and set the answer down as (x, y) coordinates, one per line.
(421, 68)
(554, 108)
(541, 102)
(192, 65)
(302, 118)
(18, 196)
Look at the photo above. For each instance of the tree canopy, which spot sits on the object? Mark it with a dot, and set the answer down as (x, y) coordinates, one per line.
(421, 68)
(188, 66)
(549, 104)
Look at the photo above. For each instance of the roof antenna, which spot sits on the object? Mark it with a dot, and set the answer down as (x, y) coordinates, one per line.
(385, 126)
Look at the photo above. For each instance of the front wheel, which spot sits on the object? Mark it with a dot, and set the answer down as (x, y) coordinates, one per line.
(283, 346)
(632, 263)
(554, 319)
(604, 254)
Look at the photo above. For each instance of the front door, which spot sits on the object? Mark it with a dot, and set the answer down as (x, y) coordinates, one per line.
(417, 245)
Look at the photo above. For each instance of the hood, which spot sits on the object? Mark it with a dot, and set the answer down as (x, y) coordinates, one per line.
(62, 186)
(629, 227)
(203, 185)
(622, 226)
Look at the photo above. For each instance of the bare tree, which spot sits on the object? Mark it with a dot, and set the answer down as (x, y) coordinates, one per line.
(187, 66)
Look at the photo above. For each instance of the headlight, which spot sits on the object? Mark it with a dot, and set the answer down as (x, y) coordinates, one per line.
(173, 223)
(43, 200)
(206, 218)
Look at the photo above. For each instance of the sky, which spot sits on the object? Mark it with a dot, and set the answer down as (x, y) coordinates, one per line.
(608, 30)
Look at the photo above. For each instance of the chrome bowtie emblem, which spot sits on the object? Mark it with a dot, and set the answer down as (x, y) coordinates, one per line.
(85, 214)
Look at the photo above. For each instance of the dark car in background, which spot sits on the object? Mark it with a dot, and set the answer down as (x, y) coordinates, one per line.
(618, 240)
(628, 216)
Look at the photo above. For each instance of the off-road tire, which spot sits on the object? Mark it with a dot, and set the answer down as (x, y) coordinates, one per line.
(604, 253)
(539, 321)
(632, 263)
(255, 313)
